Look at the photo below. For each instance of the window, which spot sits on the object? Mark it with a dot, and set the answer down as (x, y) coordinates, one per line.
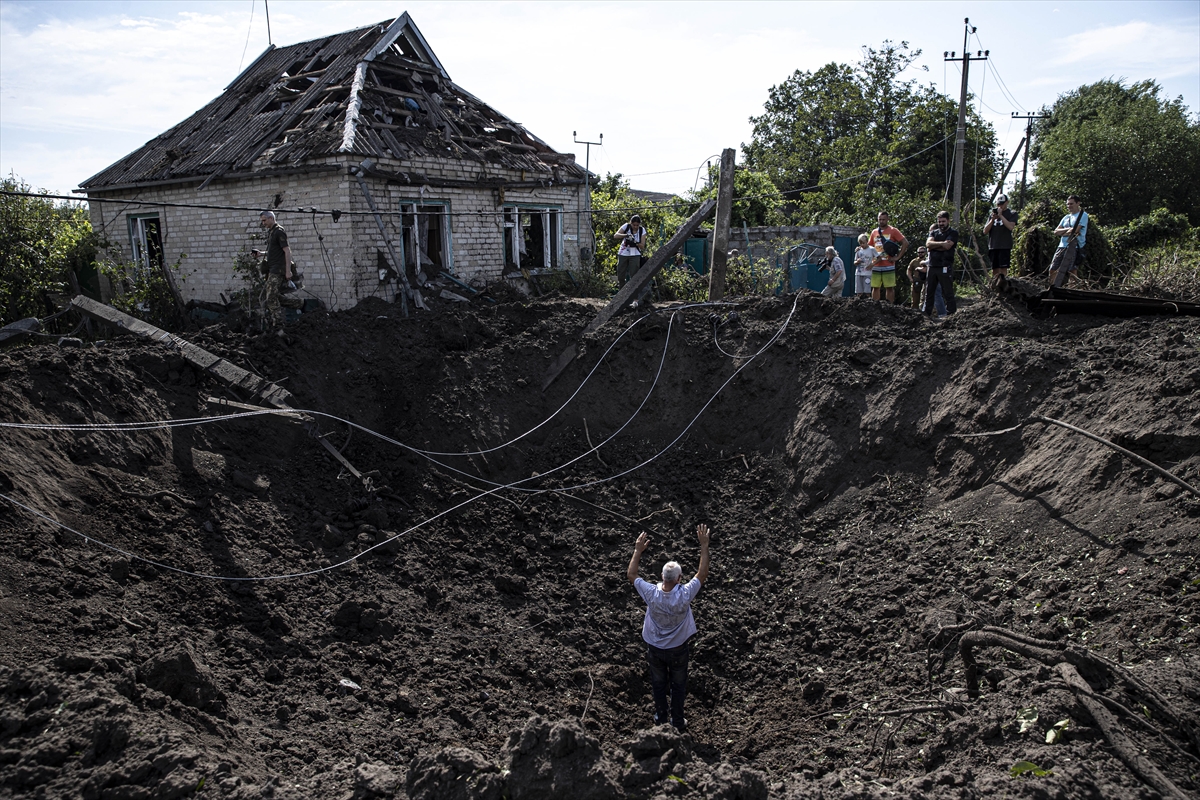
(146, 241)
(532, 238)
(425, 231)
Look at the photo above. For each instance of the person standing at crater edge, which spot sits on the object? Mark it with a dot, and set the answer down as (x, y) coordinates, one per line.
(668, 626)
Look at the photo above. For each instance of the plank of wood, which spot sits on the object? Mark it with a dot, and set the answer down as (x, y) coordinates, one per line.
(226, 372)
(634, 287)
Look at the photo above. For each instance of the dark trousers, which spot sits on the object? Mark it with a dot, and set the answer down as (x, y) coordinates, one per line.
(939, 275)
(668, 671)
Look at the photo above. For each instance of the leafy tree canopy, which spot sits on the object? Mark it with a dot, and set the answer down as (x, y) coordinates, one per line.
(41, 243)
(843, 128)
(1124, 150)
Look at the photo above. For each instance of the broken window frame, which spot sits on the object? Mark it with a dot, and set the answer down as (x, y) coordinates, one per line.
(552, 237)
(144, 259)
(409, 223)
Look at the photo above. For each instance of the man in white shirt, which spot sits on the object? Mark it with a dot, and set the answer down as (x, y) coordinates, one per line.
(668, 626)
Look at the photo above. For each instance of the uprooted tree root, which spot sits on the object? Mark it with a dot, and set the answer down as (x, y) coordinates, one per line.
(1067, 662)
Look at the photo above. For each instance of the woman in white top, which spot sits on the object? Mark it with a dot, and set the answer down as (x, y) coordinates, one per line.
(863, 257)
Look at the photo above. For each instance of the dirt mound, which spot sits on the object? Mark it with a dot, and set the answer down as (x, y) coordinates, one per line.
(233, 625)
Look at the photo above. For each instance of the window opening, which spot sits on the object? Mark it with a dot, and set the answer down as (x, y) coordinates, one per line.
(426, 237)
(146, 242)
(532, 238)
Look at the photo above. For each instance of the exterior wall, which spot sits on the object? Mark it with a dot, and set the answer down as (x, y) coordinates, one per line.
(760, 237)
(211, 239)
(345, 270)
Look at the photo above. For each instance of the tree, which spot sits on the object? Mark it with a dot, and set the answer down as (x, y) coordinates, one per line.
(42, 244)
(613, 203)
(1124, 150)
(756, 199)
(861, 135)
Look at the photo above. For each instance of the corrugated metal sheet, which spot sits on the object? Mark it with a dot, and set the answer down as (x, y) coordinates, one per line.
(289, 108)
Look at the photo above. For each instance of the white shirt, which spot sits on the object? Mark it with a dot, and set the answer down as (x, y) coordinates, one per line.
(637, 235)
(669, 621)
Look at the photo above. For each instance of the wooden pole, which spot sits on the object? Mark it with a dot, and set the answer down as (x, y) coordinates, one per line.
(720, 251)
(633, 287)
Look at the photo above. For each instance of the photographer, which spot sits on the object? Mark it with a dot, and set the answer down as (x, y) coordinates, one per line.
(837, 273)
(633, 242)
(999, 230)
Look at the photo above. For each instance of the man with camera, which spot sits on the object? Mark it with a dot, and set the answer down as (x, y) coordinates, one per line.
(837, 273)
(276, 267)
(942, 242)
(999, 230)
(633, 242)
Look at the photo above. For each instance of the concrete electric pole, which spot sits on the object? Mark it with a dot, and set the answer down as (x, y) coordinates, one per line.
(960, 137)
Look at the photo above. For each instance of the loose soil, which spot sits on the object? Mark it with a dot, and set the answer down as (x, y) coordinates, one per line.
(489, 646)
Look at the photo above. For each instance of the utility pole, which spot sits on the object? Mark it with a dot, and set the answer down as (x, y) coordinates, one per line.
(960, 138)
(1029, 118)
(720, 254)
(587, 185)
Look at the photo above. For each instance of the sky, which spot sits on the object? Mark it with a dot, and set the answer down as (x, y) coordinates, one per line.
(668, 84)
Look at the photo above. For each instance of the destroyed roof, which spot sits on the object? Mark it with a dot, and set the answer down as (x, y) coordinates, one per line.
(377, 91)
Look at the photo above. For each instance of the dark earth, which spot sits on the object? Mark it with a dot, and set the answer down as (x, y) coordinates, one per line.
(441, 642)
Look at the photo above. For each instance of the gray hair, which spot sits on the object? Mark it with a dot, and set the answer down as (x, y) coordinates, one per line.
(672, 572)
(267, 215)
(831, 251)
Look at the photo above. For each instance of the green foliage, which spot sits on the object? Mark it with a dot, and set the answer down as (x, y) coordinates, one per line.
(1123, 149)
(612, 205)
(1159, 226)
(41, 244)
(1028, 768)
(757, 200)
(829, 126)
(144, 293)
(1168, 269)
(1034, 244)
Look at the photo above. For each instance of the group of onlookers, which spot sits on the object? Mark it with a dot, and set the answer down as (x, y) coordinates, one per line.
(932, 271)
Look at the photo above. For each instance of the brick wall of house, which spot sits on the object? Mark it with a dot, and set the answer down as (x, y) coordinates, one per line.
(345, 269)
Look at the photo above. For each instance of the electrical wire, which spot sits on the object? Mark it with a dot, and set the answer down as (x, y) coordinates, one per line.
(246, 47)
(305, 573)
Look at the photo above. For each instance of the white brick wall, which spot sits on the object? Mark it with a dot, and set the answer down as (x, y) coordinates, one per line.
(211, 238)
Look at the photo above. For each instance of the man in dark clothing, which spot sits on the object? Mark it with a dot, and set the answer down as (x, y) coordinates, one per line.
(999, 230)
(941, 243)
(278, 265)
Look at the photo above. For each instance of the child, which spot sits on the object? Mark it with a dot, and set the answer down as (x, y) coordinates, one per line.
(863, 257)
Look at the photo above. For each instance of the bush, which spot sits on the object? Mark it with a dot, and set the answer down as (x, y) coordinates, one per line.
(1154, 228)
(43, 245)
(1034, 244)
(145, 294)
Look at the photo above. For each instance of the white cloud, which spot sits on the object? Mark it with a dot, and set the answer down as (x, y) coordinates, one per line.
(1137, 50)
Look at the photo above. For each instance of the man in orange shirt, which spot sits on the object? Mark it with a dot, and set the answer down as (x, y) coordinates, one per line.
(890, 246)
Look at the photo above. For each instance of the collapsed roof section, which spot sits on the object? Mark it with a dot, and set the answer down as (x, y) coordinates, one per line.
(377, 91)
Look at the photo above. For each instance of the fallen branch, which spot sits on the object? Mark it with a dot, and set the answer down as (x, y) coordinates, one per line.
(1066, 661)
(1125, 749)
(595, 452)
(183, 501)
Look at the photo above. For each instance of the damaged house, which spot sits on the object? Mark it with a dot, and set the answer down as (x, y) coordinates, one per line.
(369, 116)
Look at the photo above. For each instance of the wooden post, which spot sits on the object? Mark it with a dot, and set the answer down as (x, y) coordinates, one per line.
(633, 287)
(720, 251)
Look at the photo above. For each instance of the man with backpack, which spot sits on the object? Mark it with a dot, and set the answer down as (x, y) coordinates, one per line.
(890, 246)
(1073, 230)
